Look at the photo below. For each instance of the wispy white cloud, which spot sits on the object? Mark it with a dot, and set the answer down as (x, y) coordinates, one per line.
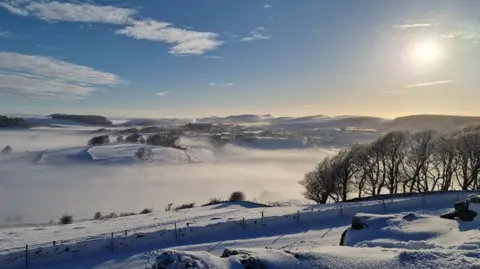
(257, 34)
(162, 93)
(7, 34)
(221, 84)
(185, 42)
(428, 84)
(46, 77)
(73, 12)
(414, 25)
(212, 57)
(267, 6)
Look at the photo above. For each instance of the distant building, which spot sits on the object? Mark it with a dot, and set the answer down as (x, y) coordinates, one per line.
(200, 127)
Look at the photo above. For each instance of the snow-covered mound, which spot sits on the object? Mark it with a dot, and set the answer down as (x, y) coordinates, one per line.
(414, 231)
(321, 257)
(114, 154)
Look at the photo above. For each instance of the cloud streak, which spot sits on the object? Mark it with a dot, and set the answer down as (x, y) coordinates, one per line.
(46, 77)
(224, 84)
(414, 25)
(7, 34)
(257, 34)
(429, 84)
(73, 12)
(162, 94)
(184, 42)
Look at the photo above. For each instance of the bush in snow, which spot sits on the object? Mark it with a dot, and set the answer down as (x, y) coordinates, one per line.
(143, 153)
(127, 214)
(146, 211)
(214, 201)
(169, 207)
(185, 206)
(66, 219)
(97, 216)
(111, 216)
(237, 196)
(6, 150)
(120, 139)
(99, 140)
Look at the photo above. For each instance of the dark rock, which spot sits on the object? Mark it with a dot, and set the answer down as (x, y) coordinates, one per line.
(342, 238)
(358, 224)
(410, 217)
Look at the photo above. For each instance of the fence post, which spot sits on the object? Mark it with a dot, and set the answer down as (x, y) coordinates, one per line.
(298, 216)
(26, 255)
(176, 233)
(262, 215)
(111, 242)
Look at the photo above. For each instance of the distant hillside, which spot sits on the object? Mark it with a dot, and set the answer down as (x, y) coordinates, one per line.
(85, 119)
(12, 122)
(434, 122)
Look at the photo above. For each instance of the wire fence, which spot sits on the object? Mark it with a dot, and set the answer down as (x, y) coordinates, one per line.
(178, 231)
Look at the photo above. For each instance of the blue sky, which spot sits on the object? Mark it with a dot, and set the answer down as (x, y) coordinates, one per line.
(215, 57)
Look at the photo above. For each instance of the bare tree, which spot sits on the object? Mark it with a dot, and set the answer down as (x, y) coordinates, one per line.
(393, 146)
(468, 158)
(320, 183)
(419, 152)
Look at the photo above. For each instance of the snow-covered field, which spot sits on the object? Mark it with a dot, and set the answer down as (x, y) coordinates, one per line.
(286, 237)
(52, 172)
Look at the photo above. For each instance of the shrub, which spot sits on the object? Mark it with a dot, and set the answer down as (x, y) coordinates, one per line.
(66, 219)
(111, 216)
(97, 216)
(214, 201)
(6, 150)
(120, 139)
(146, 211)
(169, 207)
(99, 140)
(185, 206)
(127, 214)
(143, 153)
(237, 196)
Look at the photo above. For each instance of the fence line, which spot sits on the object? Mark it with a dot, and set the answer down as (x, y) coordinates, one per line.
(34, 252)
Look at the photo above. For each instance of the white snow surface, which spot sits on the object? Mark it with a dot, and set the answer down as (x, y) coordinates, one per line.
(422, 241)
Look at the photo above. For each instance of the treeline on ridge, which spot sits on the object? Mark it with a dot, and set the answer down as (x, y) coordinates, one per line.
(399, 162)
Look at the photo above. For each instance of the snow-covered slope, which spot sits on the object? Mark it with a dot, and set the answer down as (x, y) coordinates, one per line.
(307, 233)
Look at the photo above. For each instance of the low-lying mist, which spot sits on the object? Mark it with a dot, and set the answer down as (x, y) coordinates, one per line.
(31, 192)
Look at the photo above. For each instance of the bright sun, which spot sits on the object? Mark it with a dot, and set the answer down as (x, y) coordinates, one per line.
(426, 53)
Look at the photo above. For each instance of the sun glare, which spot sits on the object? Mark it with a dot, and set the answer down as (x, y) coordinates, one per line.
(426, 53)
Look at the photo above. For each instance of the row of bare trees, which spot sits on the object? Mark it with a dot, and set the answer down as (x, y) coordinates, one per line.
(399, 162)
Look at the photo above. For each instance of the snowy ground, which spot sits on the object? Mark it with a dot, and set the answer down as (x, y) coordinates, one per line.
(424, 242)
